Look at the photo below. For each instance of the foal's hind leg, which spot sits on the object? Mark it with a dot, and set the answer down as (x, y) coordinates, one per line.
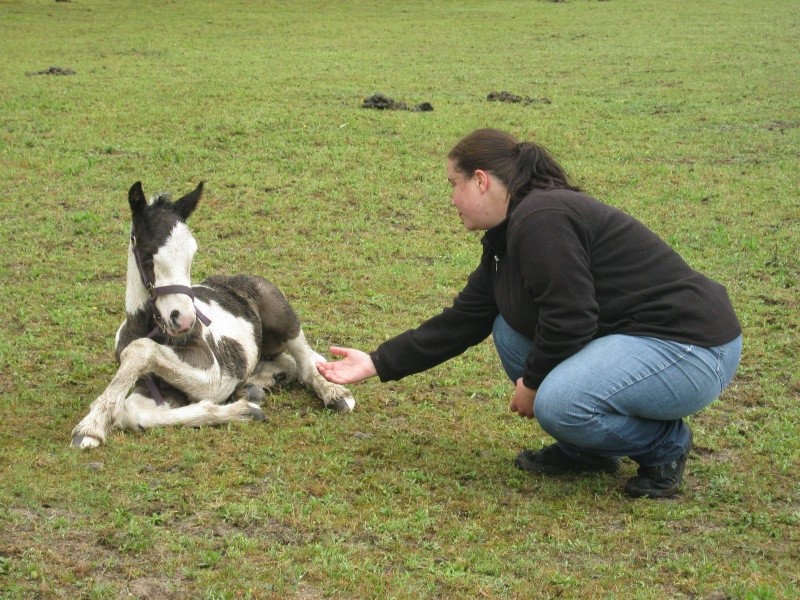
(139, 412)
(269, 373)
(281, 331)
(281, 369)
(336, 397)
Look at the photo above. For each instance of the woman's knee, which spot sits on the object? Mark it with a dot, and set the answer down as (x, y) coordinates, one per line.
(562, 411)
(547, 412)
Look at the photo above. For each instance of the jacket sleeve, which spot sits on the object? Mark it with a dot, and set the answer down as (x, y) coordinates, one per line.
(552, 250)
(466, 323)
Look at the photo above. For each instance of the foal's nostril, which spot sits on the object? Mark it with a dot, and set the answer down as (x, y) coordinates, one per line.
(174, 317)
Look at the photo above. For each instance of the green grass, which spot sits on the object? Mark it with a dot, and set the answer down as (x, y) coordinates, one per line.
(684, 114)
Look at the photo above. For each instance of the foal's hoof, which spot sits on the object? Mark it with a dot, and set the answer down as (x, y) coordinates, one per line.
(255, 394)
(85, 441)
(256, 414)
(344, 404)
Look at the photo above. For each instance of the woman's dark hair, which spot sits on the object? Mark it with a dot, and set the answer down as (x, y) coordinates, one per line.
(521, 166)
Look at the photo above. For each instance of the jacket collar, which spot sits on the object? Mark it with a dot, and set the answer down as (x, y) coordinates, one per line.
(494, 240)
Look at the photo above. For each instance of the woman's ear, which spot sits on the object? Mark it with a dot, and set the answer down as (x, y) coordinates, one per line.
(482, 179)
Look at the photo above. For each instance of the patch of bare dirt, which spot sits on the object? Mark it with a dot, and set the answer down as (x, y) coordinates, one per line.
(146, 588)
(70, 560)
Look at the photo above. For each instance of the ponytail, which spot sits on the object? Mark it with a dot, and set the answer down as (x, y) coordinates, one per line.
(536, 167)
(521, 166)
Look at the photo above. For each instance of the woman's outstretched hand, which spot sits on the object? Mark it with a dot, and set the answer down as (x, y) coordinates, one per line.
(354, 367)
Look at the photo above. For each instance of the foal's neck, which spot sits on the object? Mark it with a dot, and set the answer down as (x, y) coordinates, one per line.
(136, 296)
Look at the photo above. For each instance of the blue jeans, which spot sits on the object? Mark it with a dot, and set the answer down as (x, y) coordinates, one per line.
(623, 395)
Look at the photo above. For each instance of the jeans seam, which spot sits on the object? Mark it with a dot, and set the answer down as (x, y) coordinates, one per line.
(720, 357)
(654, 372)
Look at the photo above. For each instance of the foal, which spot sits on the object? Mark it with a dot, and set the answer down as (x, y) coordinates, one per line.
(196, 355)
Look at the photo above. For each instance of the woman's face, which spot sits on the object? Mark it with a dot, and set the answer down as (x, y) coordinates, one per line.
(480, 198)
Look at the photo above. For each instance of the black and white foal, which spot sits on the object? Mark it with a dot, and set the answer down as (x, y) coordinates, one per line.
(196, 355)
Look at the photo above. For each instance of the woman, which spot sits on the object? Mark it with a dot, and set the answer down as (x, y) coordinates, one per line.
(609, 336)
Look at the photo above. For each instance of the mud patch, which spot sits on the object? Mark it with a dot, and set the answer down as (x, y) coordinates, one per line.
(51, 71)
(383, 102)
(780, 126)
(510, 98)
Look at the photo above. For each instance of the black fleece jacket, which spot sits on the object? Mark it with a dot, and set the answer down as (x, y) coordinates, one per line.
(564, 269)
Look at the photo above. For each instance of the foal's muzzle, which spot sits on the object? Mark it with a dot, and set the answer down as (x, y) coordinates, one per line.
(180, 322)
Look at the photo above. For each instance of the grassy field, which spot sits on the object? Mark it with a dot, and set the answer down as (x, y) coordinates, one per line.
(684, 114)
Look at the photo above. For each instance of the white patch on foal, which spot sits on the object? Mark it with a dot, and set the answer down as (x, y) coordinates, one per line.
(136, 296)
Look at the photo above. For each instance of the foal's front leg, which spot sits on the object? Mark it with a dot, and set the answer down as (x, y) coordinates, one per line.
(334, 396)
(135, 361)
(143, 356)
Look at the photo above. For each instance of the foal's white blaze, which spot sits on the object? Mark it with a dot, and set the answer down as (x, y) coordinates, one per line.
(172, 265)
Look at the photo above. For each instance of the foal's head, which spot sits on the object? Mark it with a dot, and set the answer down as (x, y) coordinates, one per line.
(164, 247)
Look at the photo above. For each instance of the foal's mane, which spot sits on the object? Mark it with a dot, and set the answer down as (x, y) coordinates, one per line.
(160, 199)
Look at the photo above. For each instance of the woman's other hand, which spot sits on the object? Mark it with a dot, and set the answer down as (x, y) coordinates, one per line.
(522, 400)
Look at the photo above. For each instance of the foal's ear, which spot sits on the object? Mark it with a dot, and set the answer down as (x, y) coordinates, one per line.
(136, 198)
(186, 205)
